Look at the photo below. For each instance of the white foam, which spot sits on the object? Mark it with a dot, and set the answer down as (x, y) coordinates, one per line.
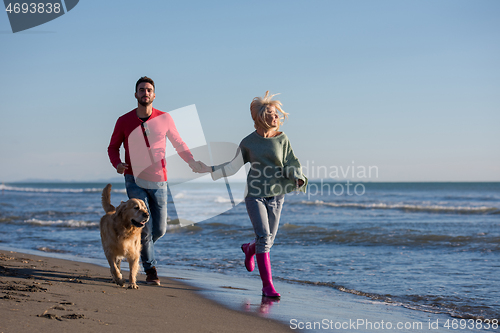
(219, 199)
(4, 187)
(62, 223)
(409, 207)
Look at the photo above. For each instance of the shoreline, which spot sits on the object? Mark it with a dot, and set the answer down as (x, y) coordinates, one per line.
(187, 300)
(45, 294)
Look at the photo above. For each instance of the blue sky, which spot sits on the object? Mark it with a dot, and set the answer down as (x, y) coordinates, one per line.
(411, 87)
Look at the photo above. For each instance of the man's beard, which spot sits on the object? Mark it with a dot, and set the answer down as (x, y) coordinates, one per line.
(149, 102)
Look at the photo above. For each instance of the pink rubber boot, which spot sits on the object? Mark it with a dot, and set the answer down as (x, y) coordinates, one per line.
(264, 263)
(249, 250)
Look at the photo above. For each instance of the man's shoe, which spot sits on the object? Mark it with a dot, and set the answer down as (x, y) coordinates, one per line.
(152, 276)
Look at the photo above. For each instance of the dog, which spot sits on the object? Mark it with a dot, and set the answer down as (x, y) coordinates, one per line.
(121, 235)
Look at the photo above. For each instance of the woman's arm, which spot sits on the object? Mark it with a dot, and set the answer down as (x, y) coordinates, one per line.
(223, 170)
(293, 168)
(229, 168)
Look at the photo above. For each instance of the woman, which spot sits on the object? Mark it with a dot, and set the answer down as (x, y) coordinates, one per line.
(274, 172)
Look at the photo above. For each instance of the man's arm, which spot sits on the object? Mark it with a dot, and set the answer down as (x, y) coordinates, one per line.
(117, 138)
(180, 146)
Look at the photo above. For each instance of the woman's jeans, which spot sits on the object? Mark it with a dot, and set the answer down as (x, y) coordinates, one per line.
(265, 216)
(156, 200)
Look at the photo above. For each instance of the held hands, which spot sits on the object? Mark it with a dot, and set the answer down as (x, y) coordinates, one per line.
(204, 168)
(199, 167)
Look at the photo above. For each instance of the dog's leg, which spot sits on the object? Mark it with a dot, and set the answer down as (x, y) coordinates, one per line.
(133, 263)
(119, 264)
(115, 272)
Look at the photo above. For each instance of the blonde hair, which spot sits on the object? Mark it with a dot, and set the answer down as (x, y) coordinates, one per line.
(258, 109)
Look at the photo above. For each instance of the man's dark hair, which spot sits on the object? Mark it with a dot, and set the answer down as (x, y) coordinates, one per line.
(144, 79)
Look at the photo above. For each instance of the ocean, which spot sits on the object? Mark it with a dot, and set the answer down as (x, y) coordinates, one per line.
(432, 247)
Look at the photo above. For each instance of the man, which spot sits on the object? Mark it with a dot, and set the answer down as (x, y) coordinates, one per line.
(143, 133)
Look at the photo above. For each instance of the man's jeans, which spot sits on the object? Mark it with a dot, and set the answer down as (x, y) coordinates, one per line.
(265, 216)
(156, 200)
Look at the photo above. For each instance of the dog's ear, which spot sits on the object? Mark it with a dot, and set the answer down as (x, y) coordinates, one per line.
(120, 208)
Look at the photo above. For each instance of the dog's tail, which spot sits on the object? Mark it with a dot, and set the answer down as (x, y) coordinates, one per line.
(106, 199)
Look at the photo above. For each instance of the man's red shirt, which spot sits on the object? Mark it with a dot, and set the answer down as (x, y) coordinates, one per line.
(146, 150)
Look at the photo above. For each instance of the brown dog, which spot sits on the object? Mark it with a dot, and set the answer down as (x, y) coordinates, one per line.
(121, 235)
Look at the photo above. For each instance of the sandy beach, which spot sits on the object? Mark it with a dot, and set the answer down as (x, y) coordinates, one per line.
(42, 294)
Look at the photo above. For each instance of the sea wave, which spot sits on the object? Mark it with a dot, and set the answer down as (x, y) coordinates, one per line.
(220, 199)
(63, 223)
(456, 307)
(50, 250)
(55, 190)
(438, 209)
(401, 237)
